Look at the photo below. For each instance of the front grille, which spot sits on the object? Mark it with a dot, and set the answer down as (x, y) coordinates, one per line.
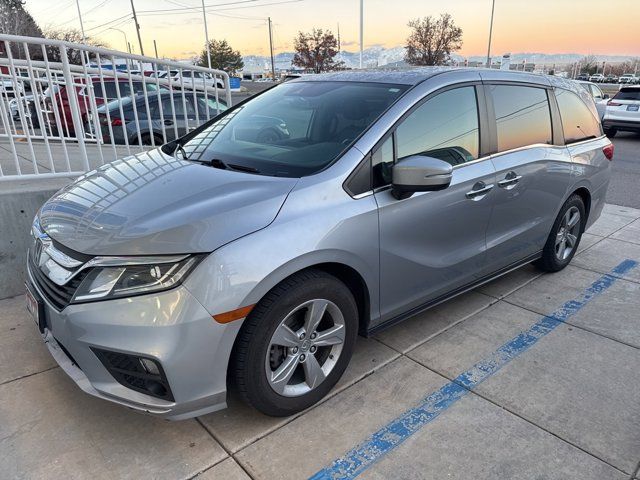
(58, 295)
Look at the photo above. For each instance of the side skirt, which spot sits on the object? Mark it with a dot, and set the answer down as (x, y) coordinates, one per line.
(454, 293)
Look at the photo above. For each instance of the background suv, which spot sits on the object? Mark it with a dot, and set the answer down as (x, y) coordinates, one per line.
(623, 111)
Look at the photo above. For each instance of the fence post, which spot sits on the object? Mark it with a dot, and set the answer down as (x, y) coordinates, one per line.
(75, 108)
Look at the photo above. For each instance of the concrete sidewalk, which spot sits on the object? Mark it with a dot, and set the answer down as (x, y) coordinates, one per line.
(565, 407)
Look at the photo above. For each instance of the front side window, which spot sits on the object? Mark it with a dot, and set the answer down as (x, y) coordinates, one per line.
(444, 127)
(578, 122)
(523, 116)
(294, 129)
(382, 163)
(596, 92)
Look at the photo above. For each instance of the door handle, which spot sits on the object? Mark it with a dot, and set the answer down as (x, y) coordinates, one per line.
(510, 180)
(168, 122)
(479, 191)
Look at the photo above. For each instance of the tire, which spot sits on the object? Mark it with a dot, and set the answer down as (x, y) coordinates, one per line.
(257, 355)
(554, 254)
(145, 138)
(610, 132)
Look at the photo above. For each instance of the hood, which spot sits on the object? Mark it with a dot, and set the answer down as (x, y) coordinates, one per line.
(153, 204)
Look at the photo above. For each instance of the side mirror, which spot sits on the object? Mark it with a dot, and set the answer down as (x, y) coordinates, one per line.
(419, 173)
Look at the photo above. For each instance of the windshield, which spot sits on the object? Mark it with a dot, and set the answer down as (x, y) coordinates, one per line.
(294, 129)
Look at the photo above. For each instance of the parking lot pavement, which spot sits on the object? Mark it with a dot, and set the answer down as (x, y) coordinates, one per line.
(530, 376)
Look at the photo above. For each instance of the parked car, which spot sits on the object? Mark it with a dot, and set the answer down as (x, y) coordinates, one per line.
(112, 87)
(597, 78)
(583, 77)
(598, 96)
(629, 79)
(623, 112)
(611, 79)
(195, 78)
(161, 277)
(10, 89)
(177, 116)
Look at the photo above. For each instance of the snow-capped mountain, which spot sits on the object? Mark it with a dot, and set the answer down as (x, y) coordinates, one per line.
(380, 56)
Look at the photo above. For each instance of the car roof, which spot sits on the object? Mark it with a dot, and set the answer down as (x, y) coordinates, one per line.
(407, 76)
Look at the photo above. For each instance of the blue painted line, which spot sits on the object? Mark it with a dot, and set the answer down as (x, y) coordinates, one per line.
(392, 435)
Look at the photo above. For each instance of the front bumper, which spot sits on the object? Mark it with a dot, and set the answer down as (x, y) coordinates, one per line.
(171, 327)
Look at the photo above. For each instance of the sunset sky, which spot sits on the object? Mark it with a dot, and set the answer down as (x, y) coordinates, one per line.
(546, 26)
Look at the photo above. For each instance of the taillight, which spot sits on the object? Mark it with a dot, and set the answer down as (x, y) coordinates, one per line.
(613, 104)
(116, 122)
(608, 151)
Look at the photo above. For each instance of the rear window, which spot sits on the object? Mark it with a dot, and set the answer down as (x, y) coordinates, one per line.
(628, 94)
(578, 122)
(522, 115)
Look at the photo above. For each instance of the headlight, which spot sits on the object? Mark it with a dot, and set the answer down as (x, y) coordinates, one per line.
(131, 278)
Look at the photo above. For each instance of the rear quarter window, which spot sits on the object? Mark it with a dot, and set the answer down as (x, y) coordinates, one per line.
(578, 122)
(522, 116)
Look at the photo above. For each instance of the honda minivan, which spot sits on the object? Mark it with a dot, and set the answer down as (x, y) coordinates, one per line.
(233, 258)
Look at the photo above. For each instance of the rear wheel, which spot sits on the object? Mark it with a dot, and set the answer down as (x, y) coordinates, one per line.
(296, 343)
(565, 236)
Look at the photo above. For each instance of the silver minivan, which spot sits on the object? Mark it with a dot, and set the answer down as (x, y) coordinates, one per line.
(235, 258)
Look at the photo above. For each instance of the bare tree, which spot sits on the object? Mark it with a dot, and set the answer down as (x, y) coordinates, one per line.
(316, 51)
(432, 40)
(15, 20)
(69, 35)
(588, 64)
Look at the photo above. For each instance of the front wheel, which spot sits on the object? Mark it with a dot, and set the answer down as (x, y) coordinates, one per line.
(565, 236)
(296, 343)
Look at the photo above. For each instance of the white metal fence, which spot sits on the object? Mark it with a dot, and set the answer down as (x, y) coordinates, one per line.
(59, 118)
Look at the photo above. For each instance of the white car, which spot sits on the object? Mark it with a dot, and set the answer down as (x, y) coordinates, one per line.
(199, 78)
(599, 97)
(623, 112)
(629, 78)
(598, 78)
(9, 88)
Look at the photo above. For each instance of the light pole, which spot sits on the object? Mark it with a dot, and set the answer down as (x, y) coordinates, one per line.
(361, 29)
(84, 39)
(493, 6)
(206, 35)
(135, 20)
(126, 41)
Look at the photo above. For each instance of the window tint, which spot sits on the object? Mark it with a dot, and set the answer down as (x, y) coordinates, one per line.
(168, 107)
(109, 90)
(628, 94)
(382, 162)
(578, 122)
(596, 92)
(522, 115)
(294, 129)
(444, 127)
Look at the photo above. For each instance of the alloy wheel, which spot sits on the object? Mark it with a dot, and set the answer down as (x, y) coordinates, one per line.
(568, 233)
(305, 347)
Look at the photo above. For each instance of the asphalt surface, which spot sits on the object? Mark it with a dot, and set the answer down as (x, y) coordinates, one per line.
(624, 188)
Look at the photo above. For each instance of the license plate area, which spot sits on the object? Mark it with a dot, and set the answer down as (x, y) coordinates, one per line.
(35, 306)
(633, 108)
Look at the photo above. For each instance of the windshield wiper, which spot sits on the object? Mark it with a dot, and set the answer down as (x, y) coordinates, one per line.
(217, 163)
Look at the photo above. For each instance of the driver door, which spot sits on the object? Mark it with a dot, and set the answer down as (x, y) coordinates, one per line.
(433, 243)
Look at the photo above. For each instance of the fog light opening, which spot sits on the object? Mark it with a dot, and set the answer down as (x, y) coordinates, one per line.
(150, 366)
(156, 388)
